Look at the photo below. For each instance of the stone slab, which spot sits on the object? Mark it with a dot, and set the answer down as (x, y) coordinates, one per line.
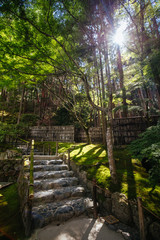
(81, 228)
(5, 184)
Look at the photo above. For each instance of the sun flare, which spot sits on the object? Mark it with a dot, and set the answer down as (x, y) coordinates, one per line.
(120, 35)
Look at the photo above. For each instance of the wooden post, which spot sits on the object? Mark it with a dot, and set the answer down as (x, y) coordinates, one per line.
(49, 149)
(43, 149)
(141, 219)
(68, 159)
(28, 216)
(95, 198)
(31, 185)
(27, 148)
(56, 148)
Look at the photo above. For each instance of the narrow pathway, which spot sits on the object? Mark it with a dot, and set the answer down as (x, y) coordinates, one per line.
(80, 228)
(58, 195)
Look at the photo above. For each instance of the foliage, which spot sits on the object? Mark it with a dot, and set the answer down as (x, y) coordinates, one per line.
(12, 132)
(147, 149)
(62, 117)
(10, 219)
(29, 119)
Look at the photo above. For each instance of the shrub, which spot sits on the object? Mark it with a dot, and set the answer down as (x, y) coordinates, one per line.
(30, 119)
(147, 150)
(12, 132)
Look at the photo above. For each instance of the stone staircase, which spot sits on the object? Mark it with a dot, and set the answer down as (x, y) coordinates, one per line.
(57, 195)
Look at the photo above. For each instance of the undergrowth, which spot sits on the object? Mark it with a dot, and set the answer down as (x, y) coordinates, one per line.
(10, 218)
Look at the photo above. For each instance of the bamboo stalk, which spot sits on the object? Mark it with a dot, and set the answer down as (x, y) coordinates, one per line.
(68, 159)
(31, 188)
(95, 199)
(56, 148)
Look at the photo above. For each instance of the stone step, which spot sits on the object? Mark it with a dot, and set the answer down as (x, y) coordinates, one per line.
(61, 211)
(45, 157)
(38, 153)
(48, 162)
(38, 168)
(58, 194)
(55, 183)
(52, 174)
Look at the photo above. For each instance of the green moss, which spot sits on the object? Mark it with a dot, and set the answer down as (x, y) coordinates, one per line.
(62, 147)
(10, 218)
(89, 154)
(132, 177)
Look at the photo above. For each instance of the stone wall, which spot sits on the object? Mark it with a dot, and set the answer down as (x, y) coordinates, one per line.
(13, 169)
(53, 133)
(117, 204)
(23, 190)
(10, 166)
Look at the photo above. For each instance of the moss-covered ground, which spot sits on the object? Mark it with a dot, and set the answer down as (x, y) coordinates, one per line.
(10, 219)
(132, 177)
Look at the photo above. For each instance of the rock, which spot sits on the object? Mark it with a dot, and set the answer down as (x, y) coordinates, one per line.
(90, 185)
(134, 209)
(121, 208)
(6, 168)
(12, 154)
(126, 235)
(154, 231)
(135, 217)
(107, 204)
(17, 167)
(3, 156)
(83, 176)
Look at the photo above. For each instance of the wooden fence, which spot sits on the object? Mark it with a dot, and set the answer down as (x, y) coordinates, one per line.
(125, 130)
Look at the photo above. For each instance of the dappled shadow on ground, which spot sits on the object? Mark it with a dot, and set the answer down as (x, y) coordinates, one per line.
(83, 156)
(132, 177)
(93, 157)
(80, 148)
(125, 174)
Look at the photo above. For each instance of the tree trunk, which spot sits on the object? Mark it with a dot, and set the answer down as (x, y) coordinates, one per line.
(141, 97)
(121, 76)
(87, 135)
(109, 135)
(112, 165)
(104, 129)
(158, 97)
(21, 105)
(97, 89)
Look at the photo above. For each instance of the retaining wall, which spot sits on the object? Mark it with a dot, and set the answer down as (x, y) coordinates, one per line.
(10, 166)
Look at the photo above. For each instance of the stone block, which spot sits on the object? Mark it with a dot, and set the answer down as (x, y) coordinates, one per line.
(121, 207)
(154, 231)
(107, 204)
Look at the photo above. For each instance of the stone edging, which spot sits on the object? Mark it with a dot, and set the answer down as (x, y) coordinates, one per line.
(122, 208)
